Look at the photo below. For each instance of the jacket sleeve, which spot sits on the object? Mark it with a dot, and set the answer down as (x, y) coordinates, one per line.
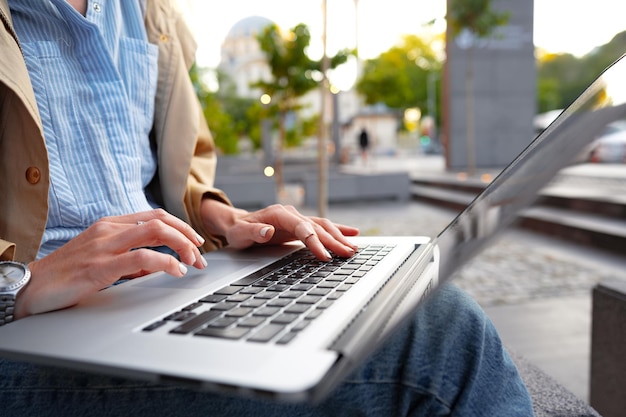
(200, 183)
(186, 150)
(7, 250)
(204, 161)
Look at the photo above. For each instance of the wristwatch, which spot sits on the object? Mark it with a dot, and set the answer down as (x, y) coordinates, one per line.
(13, 278)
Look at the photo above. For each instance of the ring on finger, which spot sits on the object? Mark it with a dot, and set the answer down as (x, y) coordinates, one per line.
(304, 230)
(140, 222)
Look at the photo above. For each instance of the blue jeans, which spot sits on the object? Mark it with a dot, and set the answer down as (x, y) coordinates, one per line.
(449, 360)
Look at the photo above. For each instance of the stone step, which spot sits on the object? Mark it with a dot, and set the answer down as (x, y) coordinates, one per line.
(589, 220)
(597, 231)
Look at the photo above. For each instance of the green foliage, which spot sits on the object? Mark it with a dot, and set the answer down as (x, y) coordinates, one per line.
(477, 16)
(562, 77)
(293, 73)
(302, 128)
(220, 121)
(254, 114)
(399, 77)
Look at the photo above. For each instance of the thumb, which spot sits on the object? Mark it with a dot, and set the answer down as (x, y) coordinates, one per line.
(266, 232)
(247, 234)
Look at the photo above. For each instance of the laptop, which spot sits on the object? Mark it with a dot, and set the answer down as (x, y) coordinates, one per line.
(275, 322)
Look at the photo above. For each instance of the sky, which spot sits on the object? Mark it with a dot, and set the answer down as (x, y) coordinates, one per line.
(574, 26)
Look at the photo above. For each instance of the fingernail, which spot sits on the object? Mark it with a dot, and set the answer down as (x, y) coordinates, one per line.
(327, 254)
(183, 268)
(204, 262)
(264, 231)
(200, 239)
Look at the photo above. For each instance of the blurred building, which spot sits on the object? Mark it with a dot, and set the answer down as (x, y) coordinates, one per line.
(244, 63)
(241, 57)
(503, 95)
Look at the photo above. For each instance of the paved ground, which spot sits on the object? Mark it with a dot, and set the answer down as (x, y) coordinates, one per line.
(536, 289)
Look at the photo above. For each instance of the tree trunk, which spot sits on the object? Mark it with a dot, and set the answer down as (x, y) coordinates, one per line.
(278, 165)
(469, 112)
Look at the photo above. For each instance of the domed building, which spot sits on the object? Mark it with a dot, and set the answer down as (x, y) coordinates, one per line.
(241, 57)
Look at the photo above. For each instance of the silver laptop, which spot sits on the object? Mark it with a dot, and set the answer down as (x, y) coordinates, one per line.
(275, 322)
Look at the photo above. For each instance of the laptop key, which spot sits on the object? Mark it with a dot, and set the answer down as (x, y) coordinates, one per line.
(288, 337)
(285, 318)
(239, 312)
(251, 290)
(314, 314)
(254, 303)
(266, 333)
(279, 302)
(237, 298)
(266, 311)
(154, 326)
(319, 291)
(196, 322)
(228, 290)
(309, 299)
(229, 333)
(192, 306)
(251, 321)
(297, 308)
(301, 325)
(213, 298)
(222, 322)
(180, 316)
(224, 306)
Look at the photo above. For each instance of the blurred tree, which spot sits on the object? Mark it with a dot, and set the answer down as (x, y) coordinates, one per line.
(220, 122)
(399, 77)
(473, 19)
(562, 77)
(235, 106)
(558, 81)
(293, 75)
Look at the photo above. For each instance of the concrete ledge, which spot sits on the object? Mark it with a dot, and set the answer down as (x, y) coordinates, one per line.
(248, 191)
(353, 187)
(549, 397)
(238, 165)
(608, 348)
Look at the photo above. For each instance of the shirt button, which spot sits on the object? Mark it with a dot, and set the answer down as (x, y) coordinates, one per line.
(33, 175)
(164, 38)
(96, 7)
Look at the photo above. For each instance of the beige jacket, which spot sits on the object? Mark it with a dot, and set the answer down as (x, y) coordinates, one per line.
(186, 151)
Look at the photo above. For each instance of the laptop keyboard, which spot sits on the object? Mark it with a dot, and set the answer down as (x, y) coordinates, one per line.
(276, 302)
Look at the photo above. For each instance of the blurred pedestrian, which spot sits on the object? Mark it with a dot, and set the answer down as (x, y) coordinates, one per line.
(364, 143)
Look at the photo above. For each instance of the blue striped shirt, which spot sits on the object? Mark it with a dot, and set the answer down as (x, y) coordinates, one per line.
(95, 80)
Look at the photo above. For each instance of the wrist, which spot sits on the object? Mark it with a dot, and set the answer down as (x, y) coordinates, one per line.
(218, 217)
(19, 309)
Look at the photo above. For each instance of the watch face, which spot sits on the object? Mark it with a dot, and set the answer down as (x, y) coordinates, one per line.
(12, 276)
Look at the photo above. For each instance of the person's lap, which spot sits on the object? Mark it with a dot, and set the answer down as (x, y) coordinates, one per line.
(447, 361)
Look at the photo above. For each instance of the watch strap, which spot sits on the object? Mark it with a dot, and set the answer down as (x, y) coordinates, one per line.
(7, 307)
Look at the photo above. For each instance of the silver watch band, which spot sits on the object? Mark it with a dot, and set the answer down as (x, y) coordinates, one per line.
(7, 306)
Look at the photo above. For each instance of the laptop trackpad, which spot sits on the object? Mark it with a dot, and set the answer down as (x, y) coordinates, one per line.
(197, 278)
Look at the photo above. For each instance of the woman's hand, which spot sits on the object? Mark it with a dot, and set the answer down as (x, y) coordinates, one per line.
(277, 224)
(112, 248)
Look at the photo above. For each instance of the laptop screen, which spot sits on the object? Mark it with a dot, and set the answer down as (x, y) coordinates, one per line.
(519, 184)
